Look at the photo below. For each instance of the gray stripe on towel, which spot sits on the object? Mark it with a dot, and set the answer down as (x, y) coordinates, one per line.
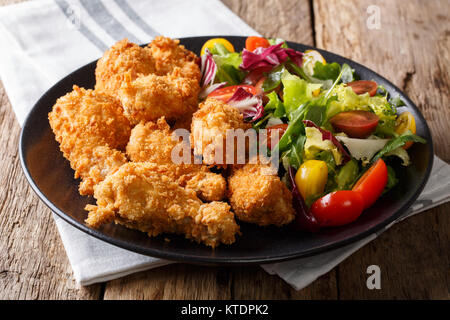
(66, 9)
(104, 18)
(136, 18)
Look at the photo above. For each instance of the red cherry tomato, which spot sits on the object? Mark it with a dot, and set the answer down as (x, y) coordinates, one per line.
(363, 86)
(338, 208)
(356, 123)
(281, 129)
(255, 42)
(226, 93)
(372, 183)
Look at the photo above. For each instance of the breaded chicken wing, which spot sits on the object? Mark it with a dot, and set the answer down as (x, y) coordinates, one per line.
(257, 195)
(172, 58)
(141, 196)
(122, 58)
(150, 97)
(209, 130)
(153, 142)
(91, 130)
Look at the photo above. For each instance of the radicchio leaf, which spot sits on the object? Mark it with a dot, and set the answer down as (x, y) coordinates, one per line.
(303, 218)
(208, 70)
(251, 106)
(269, 57)
(327, 135)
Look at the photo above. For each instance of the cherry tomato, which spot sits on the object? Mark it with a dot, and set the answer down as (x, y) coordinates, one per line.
(363, 86)
(255, 42)
(281, 129)
(338, 208)
(372, 183)
(405, 122)
(355, 123)
(226, 93)
(211, 42)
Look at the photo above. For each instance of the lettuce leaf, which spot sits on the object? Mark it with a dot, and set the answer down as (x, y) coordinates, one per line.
(228, 68)
(326, 71)
(296, 92)
(275, 105)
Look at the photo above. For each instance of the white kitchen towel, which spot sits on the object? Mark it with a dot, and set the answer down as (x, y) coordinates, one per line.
(42, 41)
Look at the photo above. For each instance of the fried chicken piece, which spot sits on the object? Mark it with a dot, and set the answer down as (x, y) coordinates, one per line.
(141, 196)
(172, 58)
(150, 97)
(154, 142)
(122, 58)
(209, 131)
(257, 195)
(91, 130)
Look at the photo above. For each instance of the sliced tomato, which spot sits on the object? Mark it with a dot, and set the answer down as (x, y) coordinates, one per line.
(355, 123)
(363, 86)
(338, 208)
(281, 130)
(226, 93)
(372, 183)
(251, 43)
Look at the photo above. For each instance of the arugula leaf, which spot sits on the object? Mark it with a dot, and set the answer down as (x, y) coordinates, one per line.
(294, 129)
(296, 152)
(273, 79)
(347, 175)
(398, 142)
(326, 71)
(397, 102)
(392, 180)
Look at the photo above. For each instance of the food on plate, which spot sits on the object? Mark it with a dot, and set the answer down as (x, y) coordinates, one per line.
(209, 130)
(141, 196)
(327, 146)
(154, 142)
(258, 196)
(151, 97)
(92, 133)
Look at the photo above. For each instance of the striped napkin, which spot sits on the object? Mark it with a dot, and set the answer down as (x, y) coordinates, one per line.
(43, 41)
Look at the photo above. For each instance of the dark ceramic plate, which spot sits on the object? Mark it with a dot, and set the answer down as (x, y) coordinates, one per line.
(52, 179)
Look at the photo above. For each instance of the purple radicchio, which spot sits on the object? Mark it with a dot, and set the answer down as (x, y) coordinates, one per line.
(251, 106)
(208, 70)
(271, 56)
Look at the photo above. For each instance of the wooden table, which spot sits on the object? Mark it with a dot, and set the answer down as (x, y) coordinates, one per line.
(411, 47)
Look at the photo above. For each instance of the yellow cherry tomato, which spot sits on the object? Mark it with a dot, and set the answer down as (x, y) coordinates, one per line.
(310, 57)
(311, 178)
(211, 42)
(405, 122)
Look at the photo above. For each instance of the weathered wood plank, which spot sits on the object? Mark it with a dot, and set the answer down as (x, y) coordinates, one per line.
(411, 48)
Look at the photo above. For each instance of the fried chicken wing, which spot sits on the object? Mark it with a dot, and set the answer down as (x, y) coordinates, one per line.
(257, 195)
(150, 97)
(141, 196)
(122, 58)
(91, 130)
(209, 130)
(172, 58)
(154, 142)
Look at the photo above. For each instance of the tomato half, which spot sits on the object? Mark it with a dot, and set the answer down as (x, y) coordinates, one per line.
(338, 208)
(363, 86)
(355, 123)
(226, 93)
(251, 43)
(281, 130)
(372, 183)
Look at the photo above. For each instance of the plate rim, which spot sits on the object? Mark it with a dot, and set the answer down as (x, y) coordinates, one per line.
(222, 260)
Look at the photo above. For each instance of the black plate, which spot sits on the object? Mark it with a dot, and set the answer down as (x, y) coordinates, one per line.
(52, 179)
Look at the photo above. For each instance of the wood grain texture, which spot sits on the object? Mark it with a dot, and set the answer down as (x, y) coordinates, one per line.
(411, 49)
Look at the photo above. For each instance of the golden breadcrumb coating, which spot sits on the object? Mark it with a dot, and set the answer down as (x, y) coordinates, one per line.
(257, 195)
(141, 196)
(172, 58)
(91, 129)
(209, 130)
(122, 58)
(150, 97)
(153, 142)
